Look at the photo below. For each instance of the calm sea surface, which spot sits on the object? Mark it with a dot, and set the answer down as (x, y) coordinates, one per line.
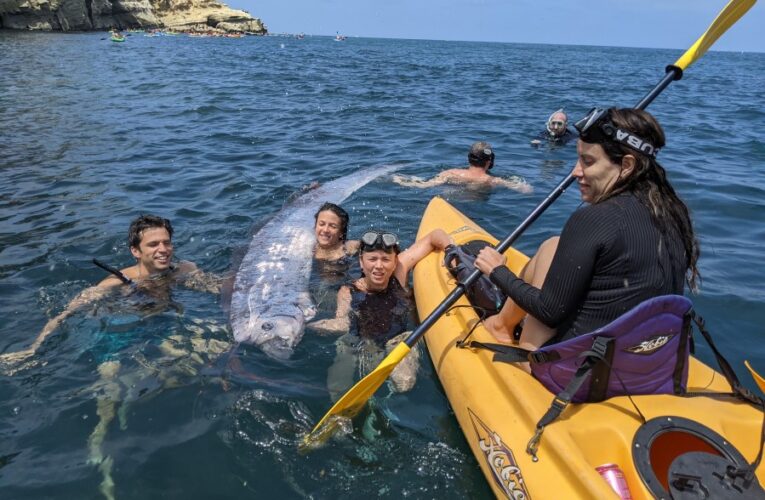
(215, 134)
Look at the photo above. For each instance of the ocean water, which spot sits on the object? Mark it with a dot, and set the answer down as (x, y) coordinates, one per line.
(215, 134)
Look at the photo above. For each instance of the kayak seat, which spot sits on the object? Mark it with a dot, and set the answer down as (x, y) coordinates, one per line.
(644, 351)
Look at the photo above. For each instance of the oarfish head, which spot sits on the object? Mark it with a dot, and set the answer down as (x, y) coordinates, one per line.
(278, 334)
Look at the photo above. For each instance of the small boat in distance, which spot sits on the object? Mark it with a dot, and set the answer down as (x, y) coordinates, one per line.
(116, 36)
(339, 37)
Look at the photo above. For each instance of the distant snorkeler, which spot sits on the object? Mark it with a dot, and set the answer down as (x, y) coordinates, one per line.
(149, 282)
(557, 131)
(480, 161)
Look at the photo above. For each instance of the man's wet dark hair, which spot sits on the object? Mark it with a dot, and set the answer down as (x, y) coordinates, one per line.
(342, 214)
(144, 222)
(481, 154)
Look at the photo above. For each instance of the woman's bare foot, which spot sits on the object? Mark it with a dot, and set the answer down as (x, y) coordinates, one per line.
(498, 329)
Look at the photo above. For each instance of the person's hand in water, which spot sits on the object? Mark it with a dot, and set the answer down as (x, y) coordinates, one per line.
(14, 358)
(330, 325)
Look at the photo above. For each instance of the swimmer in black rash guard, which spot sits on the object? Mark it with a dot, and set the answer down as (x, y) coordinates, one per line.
(375, 310)
(634, 240)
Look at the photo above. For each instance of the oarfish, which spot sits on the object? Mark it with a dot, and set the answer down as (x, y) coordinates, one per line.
(270, 302)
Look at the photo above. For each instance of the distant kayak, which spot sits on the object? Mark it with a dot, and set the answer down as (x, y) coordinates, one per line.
(117, 38)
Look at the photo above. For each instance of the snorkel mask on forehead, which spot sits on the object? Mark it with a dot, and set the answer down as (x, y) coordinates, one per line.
(598, 128)
(379, 240)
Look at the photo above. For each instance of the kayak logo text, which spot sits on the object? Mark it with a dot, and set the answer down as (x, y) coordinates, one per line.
(500, 459)
(651, 345)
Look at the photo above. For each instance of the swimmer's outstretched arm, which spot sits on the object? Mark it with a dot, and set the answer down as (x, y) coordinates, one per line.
(516, 183)
(416, 182)
(84, 298)
(340, 323)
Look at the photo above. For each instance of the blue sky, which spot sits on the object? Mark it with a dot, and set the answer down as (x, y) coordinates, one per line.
(628, 23)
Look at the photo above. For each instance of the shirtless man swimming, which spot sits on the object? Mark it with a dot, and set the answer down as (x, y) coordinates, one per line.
(480, 161)
(150, 242)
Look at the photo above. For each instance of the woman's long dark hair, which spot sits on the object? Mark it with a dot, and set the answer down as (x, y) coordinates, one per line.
(342, 214)
(648, 181)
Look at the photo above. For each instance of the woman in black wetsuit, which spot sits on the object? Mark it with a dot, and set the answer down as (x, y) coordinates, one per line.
(634, 240)
(376, 308)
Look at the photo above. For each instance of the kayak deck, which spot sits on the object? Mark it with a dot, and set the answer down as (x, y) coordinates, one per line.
(498, 405)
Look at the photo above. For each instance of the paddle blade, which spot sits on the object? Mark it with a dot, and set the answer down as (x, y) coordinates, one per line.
(356, 398)
(724, 20)
(759, 379)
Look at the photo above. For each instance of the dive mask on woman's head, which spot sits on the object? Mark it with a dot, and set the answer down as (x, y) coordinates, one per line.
(598, 128)
(378, 240)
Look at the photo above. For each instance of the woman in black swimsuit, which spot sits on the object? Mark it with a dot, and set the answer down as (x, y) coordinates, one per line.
(376, 308)
(634, 240)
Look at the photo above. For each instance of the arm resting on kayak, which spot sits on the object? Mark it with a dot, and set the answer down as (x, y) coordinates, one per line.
(340, 323)
(434, 240)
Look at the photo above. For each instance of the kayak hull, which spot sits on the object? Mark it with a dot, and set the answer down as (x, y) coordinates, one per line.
(498, 405)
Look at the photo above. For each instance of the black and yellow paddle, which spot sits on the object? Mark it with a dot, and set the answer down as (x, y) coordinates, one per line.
(355, 399)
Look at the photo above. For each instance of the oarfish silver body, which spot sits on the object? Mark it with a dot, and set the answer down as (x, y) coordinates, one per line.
(270, 302)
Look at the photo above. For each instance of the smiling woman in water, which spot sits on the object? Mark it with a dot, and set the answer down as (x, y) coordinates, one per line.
(331, 230)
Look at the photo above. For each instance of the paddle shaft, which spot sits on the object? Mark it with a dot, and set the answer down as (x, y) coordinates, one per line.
(673, 73)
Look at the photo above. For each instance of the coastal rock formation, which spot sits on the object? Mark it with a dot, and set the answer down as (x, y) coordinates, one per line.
(85, 15)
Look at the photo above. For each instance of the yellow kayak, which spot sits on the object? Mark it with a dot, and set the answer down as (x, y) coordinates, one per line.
(498, 406)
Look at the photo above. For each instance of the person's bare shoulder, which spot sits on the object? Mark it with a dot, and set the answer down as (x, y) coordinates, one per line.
(112, 281)
(452, 172)
(109, 282)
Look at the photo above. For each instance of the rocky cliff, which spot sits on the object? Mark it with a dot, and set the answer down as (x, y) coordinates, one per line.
(85, 15)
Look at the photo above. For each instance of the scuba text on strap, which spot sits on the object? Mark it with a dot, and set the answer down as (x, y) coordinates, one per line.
(115, 272)
(598, 128)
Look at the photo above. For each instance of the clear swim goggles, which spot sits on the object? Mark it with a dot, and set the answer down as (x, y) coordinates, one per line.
(378, 240)
(598, 128)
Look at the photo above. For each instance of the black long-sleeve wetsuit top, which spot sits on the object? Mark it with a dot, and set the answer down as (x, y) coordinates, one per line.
(610, 257)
